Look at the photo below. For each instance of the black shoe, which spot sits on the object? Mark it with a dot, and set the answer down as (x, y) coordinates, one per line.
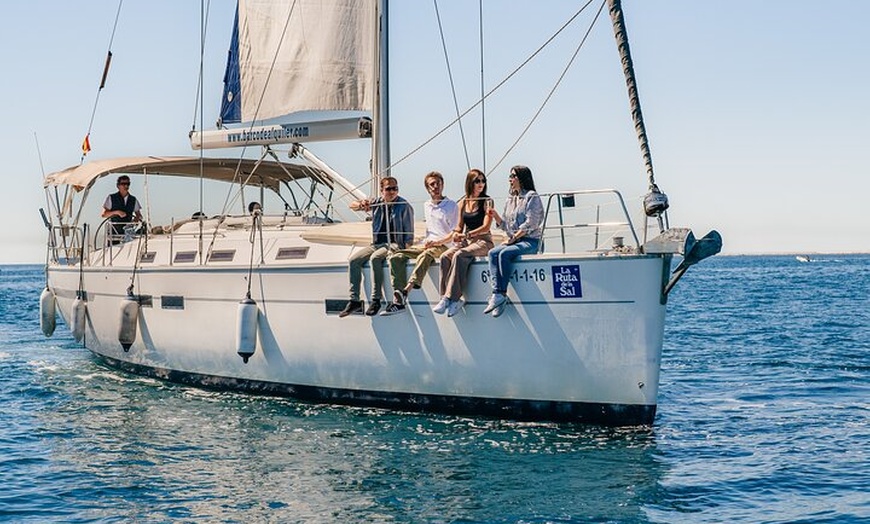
(399, 297)
(374, 307)
(352, 307)
(392, 309)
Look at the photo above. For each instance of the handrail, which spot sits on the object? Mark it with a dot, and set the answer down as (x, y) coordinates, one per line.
(111, 239)
(70, 251)
(561, 227)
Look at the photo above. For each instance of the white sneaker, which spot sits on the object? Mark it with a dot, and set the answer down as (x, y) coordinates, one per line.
(499, 309)
(441, 306)
(454, 307)
(495, 301)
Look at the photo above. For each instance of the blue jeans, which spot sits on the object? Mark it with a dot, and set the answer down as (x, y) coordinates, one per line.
(501, 261)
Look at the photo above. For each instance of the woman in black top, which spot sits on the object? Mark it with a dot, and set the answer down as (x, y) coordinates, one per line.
(472, 238)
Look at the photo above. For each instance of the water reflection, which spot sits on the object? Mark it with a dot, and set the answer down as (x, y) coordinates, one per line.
(145, 450)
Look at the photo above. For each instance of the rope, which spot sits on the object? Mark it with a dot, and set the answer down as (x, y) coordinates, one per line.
(86, 144)
(135, 271)
(80, 293)
(621, 35)
(256, 225)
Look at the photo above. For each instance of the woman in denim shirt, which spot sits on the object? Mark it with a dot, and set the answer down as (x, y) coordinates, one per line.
(522, 221)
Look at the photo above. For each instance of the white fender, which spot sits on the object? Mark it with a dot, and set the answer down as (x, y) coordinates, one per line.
(129, 322)
(77, 318)
(246, 332)
(47, 312)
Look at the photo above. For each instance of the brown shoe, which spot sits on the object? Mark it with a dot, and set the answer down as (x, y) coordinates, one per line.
(352, 307)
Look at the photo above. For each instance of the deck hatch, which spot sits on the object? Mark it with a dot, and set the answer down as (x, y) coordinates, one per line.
(184, 256)
(290, 253)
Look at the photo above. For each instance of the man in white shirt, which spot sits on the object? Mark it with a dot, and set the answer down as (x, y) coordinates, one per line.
(442, 215)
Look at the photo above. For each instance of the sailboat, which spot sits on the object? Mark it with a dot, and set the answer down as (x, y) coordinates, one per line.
(249, 301)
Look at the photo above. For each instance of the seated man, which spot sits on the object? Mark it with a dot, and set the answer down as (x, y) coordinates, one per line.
(392, 228)
(442, 215)
(121, 208)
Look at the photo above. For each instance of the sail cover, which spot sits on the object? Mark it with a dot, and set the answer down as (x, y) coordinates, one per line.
(304, 55)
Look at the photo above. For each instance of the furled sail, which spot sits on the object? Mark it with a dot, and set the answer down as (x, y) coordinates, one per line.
(305, 55)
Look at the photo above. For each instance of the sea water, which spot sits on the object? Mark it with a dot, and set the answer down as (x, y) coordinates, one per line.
(763, 417)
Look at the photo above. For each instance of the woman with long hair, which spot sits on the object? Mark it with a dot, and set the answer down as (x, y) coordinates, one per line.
(472, 239)
(523, 221)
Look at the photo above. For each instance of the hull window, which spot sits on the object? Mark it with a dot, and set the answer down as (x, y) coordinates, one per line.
(171, 302)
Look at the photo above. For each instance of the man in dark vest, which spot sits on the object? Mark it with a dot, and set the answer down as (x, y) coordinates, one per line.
(121, 208)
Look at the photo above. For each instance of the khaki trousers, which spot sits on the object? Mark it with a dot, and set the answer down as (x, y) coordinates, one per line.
(399, 262)
(455, 263)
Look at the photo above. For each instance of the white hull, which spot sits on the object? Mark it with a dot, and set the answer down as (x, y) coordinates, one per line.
(581, 339)
(591, 358)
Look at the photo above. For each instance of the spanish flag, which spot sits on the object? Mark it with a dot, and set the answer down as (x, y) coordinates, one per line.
(86, 144)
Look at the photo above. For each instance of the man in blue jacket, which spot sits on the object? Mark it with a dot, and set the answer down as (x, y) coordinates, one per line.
(392, 229)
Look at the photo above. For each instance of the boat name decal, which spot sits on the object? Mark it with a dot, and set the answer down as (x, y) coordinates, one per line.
(273, 133)
(566, 282)
(537, 274)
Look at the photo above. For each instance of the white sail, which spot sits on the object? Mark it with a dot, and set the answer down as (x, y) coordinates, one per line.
(330, 68)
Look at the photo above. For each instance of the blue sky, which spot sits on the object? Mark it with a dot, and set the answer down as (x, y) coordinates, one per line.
(756, 111)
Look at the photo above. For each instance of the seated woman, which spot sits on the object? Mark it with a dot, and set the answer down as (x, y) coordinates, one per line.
(472, 239)
(523, 221)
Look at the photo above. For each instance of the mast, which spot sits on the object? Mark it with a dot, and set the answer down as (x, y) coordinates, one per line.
(381, 110)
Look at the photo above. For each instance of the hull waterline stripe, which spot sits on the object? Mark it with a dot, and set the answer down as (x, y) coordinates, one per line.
(515, 409)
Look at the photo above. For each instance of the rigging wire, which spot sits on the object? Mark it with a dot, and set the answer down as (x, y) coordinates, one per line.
(482, 88)
(260, 101)
(203, 30)
(452, 84)
(552, 90)
(200, 92)
(493, 90)
(86, 144)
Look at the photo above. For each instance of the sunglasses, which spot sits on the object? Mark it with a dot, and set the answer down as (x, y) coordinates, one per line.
(512, 175)
(123, 183)
(391, 188)
(479, 181)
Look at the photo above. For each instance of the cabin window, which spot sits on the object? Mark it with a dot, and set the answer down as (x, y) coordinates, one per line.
(171, 302)
(225, 255)
(148, 257)
(185, 256)
(289, 253)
